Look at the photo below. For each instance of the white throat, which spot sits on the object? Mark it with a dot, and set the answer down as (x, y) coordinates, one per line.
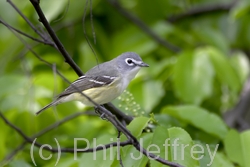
(128, 77)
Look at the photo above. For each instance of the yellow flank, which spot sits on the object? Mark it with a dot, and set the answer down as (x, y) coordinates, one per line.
(100, 95)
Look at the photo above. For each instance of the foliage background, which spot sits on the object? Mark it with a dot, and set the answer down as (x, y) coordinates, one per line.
(199, 85)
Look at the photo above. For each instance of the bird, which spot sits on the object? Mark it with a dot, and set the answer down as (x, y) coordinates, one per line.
(102, 83)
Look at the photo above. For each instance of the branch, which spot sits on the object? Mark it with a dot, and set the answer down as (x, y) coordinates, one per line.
(55, 150)
(105, 113)
(26, 35)
(139, 23)
(131, 141)
(61, 122)
(131, 138)
(5, 161)
(120, 115)
(42, 132)
(69, 60)
(29, 23)
(238, 116)
(202, 10)
(34, 53)
(58, 43)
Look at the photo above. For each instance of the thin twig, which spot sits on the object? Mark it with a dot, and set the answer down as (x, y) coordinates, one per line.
(143, 26)
(55, 150)
(119, 150)
(29, 23)
(92, 25)
(42, 132)
(13, 153)
(34, 53)
(26, 35)
(66, 119)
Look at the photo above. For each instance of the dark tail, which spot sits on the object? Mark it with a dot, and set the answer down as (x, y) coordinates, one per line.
(48, 106)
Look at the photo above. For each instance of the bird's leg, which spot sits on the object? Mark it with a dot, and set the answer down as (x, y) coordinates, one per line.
(102, 115)
(97, 110)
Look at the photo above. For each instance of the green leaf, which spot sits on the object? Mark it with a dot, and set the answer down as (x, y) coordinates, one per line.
(233, 147)
(137, 125)
(133, 157)
(175, 145)
(104, 157)
(54, 8)
(213, 37)
(64, 162)
(241, 9)
(208, 156)
(159, 137)
(182, 148)
(152, 88)
(221, 160)
(193, 76)
(130, 39)
(224, 71)
(245, 140)
(3, 140)
(11, 84)
(15, 92)
(237, 147)
(199, 118)
(240, 64)
(19, 163)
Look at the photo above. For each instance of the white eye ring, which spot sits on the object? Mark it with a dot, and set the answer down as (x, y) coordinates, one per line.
(129, 62)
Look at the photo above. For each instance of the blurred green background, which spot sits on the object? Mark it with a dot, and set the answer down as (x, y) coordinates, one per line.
(192, 84)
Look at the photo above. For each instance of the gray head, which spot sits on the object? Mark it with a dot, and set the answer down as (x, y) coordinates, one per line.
(129, 60)
(129, 63)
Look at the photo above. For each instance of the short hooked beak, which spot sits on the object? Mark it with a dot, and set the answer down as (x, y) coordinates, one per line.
(142, 64)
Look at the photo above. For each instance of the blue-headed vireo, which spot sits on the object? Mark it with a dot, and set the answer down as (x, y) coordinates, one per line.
(104, 82)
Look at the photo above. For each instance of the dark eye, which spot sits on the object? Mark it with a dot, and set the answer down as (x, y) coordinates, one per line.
(129, 61)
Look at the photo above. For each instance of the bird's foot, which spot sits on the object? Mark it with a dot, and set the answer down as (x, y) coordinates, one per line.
(99, 112)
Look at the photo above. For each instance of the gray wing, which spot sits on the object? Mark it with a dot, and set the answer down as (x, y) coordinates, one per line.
(100, 75)
(87, 82)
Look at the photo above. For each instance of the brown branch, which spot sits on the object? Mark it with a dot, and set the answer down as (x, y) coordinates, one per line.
(139, 23)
